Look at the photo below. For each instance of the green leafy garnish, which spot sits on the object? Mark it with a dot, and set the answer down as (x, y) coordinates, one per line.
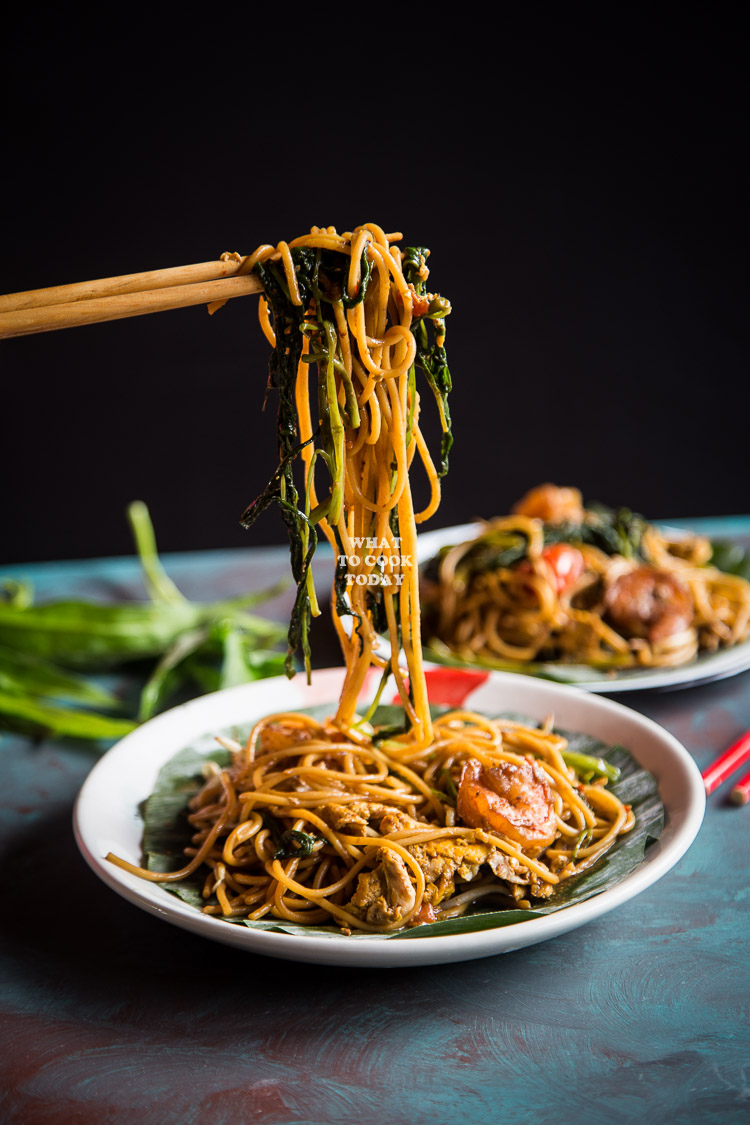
(615, 531)
(294, 845)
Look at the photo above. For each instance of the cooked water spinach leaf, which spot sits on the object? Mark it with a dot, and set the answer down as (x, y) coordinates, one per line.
(615, 531)
(730, 557)
(167, 832)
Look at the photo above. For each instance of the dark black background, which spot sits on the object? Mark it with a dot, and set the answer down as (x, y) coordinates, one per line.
(583, 195)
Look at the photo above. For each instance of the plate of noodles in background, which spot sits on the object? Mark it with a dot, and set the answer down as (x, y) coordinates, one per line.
(165, 761)
(593, 596)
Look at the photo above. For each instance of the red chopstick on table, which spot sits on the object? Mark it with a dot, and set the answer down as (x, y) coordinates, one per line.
(740, 794)
(725, 765)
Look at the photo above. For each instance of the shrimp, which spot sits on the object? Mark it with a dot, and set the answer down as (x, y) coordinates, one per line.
(551, 504)
(648, 602)
(511, 798)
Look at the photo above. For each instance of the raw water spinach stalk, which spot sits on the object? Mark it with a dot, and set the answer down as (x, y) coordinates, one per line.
(191, 647)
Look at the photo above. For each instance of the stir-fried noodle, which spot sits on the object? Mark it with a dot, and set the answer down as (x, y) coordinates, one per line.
(335, 822)
(557, 582)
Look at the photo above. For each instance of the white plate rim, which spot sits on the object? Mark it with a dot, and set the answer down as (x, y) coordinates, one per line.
(704, 669)
(106, 817)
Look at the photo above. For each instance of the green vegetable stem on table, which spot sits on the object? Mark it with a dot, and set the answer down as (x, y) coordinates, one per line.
(191, 647)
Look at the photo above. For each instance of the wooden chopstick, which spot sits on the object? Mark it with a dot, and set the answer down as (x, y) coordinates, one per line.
(113, 298)
(124, 283)
(726, 764)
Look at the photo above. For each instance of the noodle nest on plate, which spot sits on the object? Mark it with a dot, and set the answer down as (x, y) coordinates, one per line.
(303, 831)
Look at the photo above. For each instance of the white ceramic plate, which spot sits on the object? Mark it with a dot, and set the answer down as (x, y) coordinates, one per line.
(107, 817)
(709, 666)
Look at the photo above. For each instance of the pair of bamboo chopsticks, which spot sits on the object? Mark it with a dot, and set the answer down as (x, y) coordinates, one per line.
(725, 765)
(113, 298)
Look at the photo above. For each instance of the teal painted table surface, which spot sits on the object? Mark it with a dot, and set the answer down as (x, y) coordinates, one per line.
(109, 1015)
